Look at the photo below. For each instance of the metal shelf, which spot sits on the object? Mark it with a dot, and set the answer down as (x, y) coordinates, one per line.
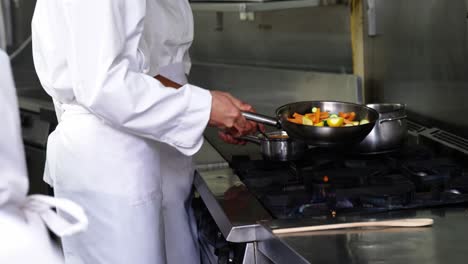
(247, 7)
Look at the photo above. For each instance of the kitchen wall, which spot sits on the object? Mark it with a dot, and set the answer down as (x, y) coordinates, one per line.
(315, 38)
(420, 58)
(268, 88)
(466, 3)
(280, 57)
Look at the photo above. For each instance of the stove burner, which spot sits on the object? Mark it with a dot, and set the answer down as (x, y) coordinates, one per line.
(453, 191)
(330, 184)
(431, 175)
(422, 174)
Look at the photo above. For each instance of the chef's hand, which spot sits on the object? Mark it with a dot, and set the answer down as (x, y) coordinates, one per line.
(226, 115)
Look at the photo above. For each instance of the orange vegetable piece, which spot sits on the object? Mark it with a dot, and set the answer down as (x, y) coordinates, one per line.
(317, 116)
(295, 120)
(343, 115)
(296, 115)
(311, 116)
(324, 115)
(352, 116)
(347, 121)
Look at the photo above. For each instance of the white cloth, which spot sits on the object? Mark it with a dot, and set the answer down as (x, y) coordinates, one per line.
(13, 180)
(123, 145)
(23, 234)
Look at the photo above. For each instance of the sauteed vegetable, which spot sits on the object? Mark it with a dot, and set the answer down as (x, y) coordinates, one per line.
(322, 119)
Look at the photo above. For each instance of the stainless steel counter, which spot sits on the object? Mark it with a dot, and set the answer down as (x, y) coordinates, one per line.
(445, 242)
(242, 218)
(235, 210)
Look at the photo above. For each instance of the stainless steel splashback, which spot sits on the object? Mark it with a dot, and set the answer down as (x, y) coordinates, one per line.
(315, 38)
(268, 88)
(420, 57)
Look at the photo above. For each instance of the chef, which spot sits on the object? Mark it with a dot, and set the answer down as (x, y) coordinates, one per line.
(23, 234)
(123, 145)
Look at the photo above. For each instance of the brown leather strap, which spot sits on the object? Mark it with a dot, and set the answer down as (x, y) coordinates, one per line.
(167, 82)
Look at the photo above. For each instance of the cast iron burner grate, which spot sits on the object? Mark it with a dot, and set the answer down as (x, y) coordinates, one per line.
(327, 183)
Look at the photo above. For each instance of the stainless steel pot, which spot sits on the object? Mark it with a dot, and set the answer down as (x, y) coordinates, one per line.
(278, 146)
(390, 130)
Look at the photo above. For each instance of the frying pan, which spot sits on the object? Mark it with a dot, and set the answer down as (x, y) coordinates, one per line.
(320, 136)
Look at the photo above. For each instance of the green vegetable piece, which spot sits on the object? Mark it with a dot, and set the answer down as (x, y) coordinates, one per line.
(364, 121)
(314, 110)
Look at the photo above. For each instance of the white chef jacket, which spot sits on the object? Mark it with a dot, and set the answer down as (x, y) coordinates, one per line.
(23, 234)
(102, 55)
(124, 143)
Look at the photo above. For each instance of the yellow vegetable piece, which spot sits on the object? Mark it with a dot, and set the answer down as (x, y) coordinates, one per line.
(335, 122)
(320, 124)
(348, 125)
(356, 123)
(306, 121)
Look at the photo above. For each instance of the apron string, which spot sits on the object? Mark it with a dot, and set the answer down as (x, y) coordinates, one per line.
(43, 205)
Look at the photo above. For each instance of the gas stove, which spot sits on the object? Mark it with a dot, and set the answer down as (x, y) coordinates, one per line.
(330, 183)
(426, 178)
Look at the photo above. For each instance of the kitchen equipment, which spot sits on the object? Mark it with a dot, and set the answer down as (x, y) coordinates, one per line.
(389, 132)
(425, 178)
(6, 24)
(278, 146)
(412, 222)
(330, 183)
(320, 136)
(3, 42)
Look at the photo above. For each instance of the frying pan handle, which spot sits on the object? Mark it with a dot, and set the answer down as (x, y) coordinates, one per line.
(267, 120)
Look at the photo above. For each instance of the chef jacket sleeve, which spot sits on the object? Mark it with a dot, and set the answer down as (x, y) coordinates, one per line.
(108, 80)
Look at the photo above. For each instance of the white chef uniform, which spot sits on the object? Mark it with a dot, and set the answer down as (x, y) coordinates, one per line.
(123, 145)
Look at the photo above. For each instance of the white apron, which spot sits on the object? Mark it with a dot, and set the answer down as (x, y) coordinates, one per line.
(123, 144)
(136, 193)
(24, 237)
